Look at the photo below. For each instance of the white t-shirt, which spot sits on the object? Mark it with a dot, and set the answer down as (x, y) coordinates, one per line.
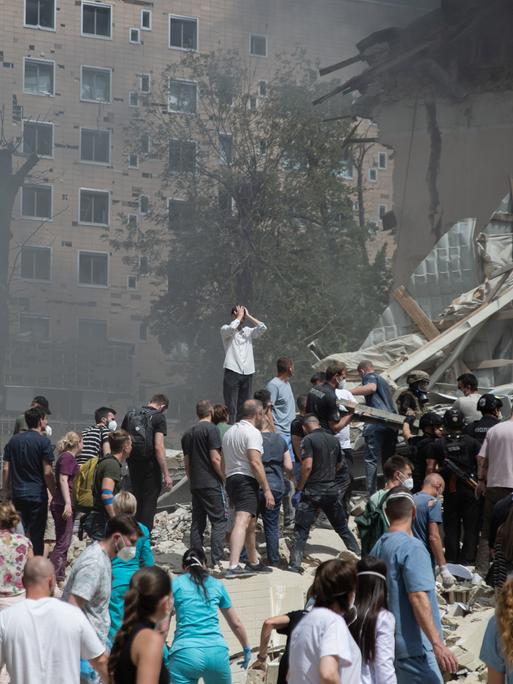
(237, 441)
(322, 633)
(468, 406)
(382, 670)
(344, 435)
(43, 640)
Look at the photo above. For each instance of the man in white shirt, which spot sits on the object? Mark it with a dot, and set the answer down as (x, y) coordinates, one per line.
(467, 404)
(242, 452)
(239, 363)
(42, 638)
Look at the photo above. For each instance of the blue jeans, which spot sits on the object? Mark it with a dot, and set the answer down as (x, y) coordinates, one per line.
(210, 662)
(418, 670)
(379, 447)
(271, 519)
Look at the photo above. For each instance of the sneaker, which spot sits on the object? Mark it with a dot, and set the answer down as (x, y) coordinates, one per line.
(238, 571)
(294, 568)
(258, 567)
(217, 569)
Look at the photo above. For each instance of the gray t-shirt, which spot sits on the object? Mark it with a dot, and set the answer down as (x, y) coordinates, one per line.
(284, 406)
(91, 579)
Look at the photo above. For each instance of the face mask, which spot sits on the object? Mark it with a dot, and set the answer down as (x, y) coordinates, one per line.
(342, 384)
(48, 431)
(408, 483)
(126, 553)
(113, 426)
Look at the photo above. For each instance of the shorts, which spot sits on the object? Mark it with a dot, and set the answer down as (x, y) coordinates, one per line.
(242, 491)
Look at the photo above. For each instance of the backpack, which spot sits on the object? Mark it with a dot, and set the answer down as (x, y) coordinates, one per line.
(372, 524)
(82, 493)
(138, 423)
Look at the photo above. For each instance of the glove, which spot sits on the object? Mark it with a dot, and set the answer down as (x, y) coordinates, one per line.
(296, 498)
(447, 578)
(244, 663)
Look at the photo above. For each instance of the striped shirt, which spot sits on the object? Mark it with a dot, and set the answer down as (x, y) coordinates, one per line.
(93, 437)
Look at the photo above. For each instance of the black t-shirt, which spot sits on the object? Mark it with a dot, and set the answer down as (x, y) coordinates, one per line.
(26, 454)
(158, 423)
(420, 450)
(296, 427)
(325, 452)
(479, 428)
(107, 467)
(197, 442)
(322, 402)
(295, 617)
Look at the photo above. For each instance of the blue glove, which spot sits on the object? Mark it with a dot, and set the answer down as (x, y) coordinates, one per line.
(296, 498)
(244, 663)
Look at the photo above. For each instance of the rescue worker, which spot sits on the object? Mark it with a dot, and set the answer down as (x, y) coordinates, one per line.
(455, 456)
(431, 426)
(413, 400)
(490, 407)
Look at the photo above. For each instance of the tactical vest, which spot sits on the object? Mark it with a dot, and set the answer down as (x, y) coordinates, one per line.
(458, 452)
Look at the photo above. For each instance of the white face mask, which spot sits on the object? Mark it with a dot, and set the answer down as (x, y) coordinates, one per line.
(48, 431)
(126, 553)
(342, 384)
(408, 483)
(113, 426)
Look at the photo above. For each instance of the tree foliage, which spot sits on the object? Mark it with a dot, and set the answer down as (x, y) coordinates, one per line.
(261, 217)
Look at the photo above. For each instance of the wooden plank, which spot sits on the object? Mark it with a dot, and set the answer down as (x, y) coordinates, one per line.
(367, 414)
(491, 363)
(416, 313)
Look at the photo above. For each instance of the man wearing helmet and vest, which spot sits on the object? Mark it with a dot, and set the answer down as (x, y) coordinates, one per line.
(413, 400)
(461, 508)
(490, 407)
(420, 446)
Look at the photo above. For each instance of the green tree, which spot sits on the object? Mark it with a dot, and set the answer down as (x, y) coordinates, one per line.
(260, 215)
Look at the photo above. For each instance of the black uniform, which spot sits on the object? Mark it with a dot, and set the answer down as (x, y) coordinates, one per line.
(322, 402)
(420, 449)
(479, 428)
(461, 509)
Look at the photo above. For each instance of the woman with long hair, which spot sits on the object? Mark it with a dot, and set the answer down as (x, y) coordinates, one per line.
(61, 507)
(15, 551)
(199, 649)
(503, 552)
(497, 648)
(321, 646)
(374, 626)
(136, 654)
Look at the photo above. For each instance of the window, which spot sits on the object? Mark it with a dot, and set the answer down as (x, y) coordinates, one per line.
(34, 328)
(382, 160)
(258, 45)
(182, 156)
(346, 167)
(133, 99)
(133, 160)
(382, 210)
(143, 331)
(145, 143)
(182, 96)
(40, 14)
(91, 330)
(95, 84)
(94, 146)
(144, 204)
(144, 265)
(262, 88)
(38, 138)
(225, 149)
(183, 33)
(93, 269)
(131, 282)
(146, 20)
(253, 102)
(39, 77)
(134, 35)
(36, 263)
(96, 20)
(94, 207)
(144, 83)
(180, 213)
(373, 175)
(132, 220)
(36, 201)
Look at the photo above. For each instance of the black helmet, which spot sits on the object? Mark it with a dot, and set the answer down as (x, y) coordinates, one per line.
(430, 419)
(488, 402)
(453, 419)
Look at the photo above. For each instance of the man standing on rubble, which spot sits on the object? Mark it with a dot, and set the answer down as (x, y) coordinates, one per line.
(413, 400)
(467, 404)
(411, 597)
(380, 440)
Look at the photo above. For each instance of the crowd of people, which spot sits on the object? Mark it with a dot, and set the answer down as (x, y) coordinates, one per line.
(447, 498)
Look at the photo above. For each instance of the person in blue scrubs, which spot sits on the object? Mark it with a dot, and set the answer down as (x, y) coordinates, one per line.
(497, 647)
(199, 648)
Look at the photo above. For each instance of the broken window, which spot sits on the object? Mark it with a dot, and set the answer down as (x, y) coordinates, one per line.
(95, 84)
(93, 269)
(94, 206)
(183, 33)
(38, 138)
(182, 96)
(39, 77)
(36, 201)
(96, 20)
(95, 146)
(36, 263)
(40, 14)
(182, 156)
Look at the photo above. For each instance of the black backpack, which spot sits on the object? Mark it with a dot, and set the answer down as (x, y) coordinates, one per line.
(138, 423)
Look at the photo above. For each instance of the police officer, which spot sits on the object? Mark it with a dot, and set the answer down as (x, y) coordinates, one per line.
(413, 400)
(461, 508)
(430, 424)
(490, 406)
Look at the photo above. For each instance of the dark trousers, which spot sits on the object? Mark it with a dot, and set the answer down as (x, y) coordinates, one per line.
(345, 480)
(63, 535)
(94, 524)
(333, 506)
(380, 445)
(146, 480)
(209, 502)
(236, 389)
(33, 517)
(461, 510)
(271, 519)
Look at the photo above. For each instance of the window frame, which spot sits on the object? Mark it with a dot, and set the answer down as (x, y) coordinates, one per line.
(181, 140)
(133, 166)
(385, 208)
(150, 14)
(97, 68)
(187, 18)
(37, 218)
(223, 160)
(36, 123)
(92, 251)
(92, 320)
(132, 289)
(97, 191)
(40, 61)
(97, 163)
(259, 35)
(38, 27)
(141, 77)
(35, 316)
(181, 111)
(141, 212)
(385, 157)
(372, 180)
(45, 248)
(95, 4)
(134, 42)
(136, 95)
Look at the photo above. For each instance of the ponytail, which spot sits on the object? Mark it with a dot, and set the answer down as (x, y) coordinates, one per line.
(194, 561)
(130, 618)
(70, 441)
